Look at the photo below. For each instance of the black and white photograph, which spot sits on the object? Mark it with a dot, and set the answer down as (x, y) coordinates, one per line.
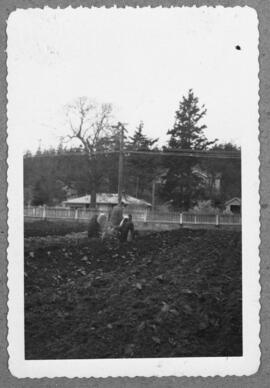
(133, 191)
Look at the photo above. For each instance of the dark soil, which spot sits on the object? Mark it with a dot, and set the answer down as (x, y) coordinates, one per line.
(168, 294)
(52, 228)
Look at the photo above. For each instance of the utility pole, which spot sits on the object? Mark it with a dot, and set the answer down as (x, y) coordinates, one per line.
(121, 161)
(137, 186)
(153, 194)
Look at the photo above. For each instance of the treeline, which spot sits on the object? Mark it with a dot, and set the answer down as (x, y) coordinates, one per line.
(51, 176)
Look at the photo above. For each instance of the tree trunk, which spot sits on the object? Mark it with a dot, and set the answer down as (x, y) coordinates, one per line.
(92, 171)
(93, 201)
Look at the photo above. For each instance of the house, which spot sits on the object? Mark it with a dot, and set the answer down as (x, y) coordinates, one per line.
(233, 206)
(105, 201)
(212, 182)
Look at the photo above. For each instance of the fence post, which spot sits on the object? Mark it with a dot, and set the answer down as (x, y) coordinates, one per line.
(181, 218)
(217, 220)
(44, 212)
(76, 214)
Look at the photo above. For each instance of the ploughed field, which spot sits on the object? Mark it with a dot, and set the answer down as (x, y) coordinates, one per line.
(167, 294)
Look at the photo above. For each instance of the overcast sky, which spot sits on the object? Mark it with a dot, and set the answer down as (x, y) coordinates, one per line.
(141, 60)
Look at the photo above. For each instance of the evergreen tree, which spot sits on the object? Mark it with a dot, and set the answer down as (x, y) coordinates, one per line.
(229, 171)
(139, 141)
(187, 133)
(140, 169)
(182, 187)
(41, 194)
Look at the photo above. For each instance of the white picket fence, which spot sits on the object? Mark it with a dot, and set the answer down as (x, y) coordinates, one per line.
(148, 216)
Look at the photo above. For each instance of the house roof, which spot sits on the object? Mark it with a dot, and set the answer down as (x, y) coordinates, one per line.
(107, 199)
(197, 170)
(235, 200)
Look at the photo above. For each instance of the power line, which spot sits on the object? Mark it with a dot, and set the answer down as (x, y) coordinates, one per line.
(182, 152)
(192, 153)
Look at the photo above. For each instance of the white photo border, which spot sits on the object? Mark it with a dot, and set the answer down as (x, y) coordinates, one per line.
(204, 366)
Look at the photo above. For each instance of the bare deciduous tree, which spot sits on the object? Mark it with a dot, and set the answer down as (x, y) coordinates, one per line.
(89, 124)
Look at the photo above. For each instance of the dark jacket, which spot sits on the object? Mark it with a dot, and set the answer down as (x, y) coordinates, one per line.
(125, 228)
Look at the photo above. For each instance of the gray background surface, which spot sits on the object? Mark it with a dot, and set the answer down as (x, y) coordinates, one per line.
(262, 377)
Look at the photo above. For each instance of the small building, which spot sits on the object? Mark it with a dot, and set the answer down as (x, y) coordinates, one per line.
(212, 182)
(233, 206)
(106, 201)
